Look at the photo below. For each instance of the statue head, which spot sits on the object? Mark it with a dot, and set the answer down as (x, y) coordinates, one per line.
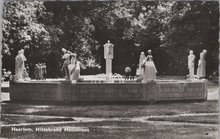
(108, 41)
(204, 51)
(201, 55)
(19, 52)
(142, 53)
(66, 56)
(191, 52)
(63, 50)
(22, 51)
(149, 51)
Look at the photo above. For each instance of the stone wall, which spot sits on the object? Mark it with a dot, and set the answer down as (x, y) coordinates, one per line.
(65, 91)
(45, 91)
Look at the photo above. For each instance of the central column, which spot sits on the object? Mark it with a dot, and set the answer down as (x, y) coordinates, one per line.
(108, 54)
(108, 66)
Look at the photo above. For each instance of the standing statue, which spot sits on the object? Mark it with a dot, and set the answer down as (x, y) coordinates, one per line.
(140, 70)
(22, 54)
(204, 64)
(19, 65)
(149, 68)
(65, 65)
(201, 71)
(44, 70)
(191, 61)
(74, 67)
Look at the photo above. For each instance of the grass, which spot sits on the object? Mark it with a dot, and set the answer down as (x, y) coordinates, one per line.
(122, 110)
(116, 130)
(208, 119)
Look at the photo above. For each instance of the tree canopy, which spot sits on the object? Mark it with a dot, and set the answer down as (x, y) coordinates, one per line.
(169, 29)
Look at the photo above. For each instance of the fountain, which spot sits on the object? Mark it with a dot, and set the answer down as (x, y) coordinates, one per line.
(108, 87)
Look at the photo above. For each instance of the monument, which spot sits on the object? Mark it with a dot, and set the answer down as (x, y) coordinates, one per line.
(74, 67)
(108, 55)
(201, 71)
(149, 68)
(71, 65)
(108, 89)
(66, 56)
(19, 65)
(204, 64)
(191, 61)
(140, 69)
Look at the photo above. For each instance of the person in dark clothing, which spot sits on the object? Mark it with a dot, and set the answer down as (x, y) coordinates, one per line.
(133, 71)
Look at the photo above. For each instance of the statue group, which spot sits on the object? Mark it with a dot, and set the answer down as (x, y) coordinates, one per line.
(71, 65)
(40, 71)
(201, 70)
(147, 69)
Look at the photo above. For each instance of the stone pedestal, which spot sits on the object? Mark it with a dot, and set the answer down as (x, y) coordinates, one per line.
(108, 66)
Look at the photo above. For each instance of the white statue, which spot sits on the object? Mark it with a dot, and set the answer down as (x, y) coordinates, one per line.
(74, 68)
(191, 64)
(108, 50)
(19, 64)
(66, 56)
(22, 54)
(201, 71)
(140, 70)
(108, 55)
(204, 63)
(68, 64)
(149, 68)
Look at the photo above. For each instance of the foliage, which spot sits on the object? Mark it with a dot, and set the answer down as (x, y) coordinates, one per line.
(21, 30)
(170, 29)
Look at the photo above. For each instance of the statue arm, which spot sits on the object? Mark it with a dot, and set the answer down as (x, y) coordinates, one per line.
(143, 63)
(199, 63)
(64, 65)
(148, 57)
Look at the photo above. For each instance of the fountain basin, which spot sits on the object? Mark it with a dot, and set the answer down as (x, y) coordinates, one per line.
(67, 91)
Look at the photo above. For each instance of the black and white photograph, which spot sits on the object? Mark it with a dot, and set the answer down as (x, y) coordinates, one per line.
(109, 69)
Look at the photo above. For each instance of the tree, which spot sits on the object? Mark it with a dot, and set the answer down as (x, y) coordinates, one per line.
(192, 26)
(169, 29)
(21, 30)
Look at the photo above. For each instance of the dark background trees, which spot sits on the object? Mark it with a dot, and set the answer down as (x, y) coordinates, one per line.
(169, 29)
